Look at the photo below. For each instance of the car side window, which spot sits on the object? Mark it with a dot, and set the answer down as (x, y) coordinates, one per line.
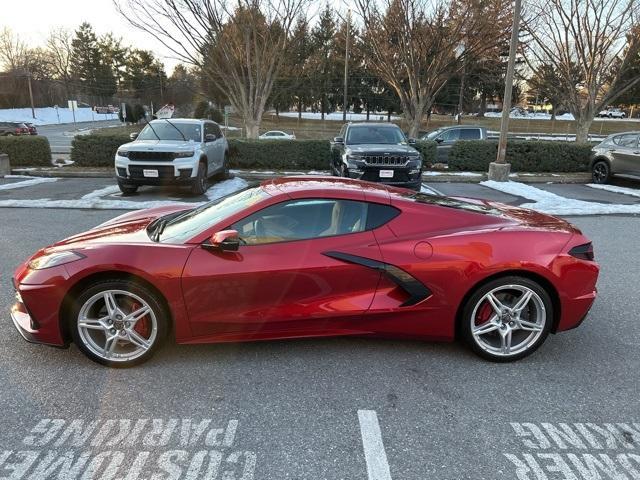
(302, 219)
(209, 129)
(217, 131)
(451, 135)
(627, 141)
(470, 134)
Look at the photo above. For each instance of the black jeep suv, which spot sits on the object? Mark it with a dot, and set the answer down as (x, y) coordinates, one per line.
(376, 152)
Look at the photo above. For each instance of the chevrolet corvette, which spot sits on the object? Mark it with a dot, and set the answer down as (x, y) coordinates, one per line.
(299, 257)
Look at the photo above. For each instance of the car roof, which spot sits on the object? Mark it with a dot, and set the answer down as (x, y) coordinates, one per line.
(326, 186)
(372, 124)
(182, 120)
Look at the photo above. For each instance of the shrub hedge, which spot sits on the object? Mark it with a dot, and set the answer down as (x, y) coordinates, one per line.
(523, 155)
(96, 150)
(279, 154)
(31, 151)
(428, 150)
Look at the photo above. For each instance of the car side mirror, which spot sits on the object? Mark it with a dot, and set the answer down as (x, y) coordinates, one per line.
(224, 241)
(439, 140)
(412, 141)
(338, 140)
(133, 135)
(210, 137)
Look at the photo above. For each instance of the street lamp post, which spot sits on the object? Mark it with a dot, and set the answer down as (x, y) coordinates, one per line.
(499, 170)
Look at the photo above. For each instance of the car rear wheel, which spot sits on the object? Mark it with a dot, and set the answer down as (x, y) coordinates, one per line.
(224, 173)
(127, 189)
(200, 182)
(600, 172)
(507, 319)
(118, 323)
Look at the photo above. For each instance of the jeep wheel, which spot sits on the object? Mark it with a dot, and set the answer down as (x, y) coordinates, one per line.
(600, 172)
(127, 189)
(200, 182)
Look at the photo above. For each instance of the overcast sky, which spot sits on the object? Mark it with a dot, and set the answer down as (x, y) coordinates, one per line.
(33, 20)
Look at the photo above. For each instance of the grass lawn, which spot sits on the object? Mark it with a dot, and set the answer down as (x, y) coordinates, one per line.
(327, 129)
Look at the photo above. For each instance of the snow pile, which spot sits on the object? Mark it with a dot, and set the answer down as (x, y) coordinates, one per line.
(612, 188)
(25, 183)
(547, 202)
(51, 115)
(227, 187)
(432, 173)
(337, 116)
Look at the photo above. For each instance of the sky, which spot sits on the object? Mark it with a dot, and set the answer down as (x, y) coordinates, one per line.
(33, 23)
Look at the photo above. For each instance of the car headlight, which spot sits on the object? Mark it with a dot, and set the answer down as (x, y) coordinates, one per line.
(54, 259)
(183, 154)
(355, 161)
(123, 153)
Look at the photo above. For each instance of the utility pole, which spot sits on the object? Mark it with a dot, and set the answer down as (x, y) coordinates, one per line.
(160, 78)
(346, 66)
(499, 170)
(33, 110)
(461, 93)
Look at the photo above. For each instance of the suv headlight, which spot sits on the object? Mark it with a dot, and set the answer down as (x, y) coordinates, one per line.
(184, 154)
(355, 161)
(54, 259)
(123, 153)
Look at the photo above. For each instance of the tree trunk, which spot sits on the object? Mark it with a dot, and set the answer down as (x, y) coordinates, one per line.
(582, 129)
(483, 104)
(299, 109)
(553, 112)
(368, 111)
(253, 128)
(322, 107)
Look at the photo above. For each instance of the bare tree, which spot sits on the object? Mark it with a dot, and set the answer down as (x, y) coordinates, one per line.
(13, 51)
(418, 45)
(237, 44)
(58, 53)
(585, 42)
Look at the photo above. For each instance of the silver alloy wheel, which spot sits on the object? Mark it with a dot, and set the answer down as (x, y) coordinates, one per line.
(516, 320)
(106, 324)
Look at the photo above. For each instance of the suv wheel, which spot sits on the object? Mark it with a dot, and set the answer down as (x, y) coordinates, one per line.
(127, 189)
(200, 182)
(600, 172)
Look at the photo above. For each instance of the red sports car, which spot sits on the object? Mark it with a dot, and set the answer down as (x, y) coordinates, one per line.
(300, 257)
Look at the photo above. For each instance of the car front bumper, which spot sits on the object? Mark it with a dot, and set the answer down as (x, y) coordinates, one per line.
(401, 177)
(181, 171)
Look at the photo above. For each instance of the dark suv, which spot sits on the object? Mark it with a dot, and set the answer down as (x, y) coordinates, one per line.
(376, 152)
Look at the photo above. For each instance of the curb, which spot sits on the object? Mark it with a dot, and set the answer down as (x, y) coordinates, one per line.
(441, 177)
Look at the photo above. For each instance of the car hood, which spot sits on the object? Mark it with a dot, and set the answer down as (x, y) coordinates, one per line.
(159, 145)
(380, 149)
(128, 228)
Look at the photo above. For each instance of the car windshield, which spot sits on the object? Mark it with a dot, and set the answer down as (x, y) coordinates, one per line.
(196, 221)
(374, 134)
(433, 135)
(168, 130)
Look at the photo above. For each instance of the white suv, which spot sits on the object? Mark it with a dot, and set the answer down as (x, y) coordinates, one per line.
(612, 113)
(176, 151)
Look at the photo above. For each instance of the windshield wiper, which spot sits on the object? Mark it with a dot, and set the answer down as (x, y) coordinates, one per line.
(179, 131)
(159, 228)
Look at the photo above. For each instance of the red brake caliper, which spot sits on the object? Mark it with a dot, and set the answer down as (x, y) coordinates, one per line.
(484, 314)
(142, 326)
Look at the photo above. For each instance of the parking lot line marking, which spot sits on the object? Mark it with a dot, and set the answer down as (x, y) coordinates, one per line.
(374, 454)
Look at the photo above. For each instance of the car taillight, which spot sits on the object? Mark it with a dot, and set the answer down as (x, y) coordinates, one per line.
(583, 252)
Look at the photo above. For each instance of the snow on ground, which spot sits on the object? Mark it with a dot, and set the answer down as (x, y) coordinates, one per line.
(547, 202)
(92, 200)
(547, 116)
(431, 173)
(612, 188)
(49, 115)
(337, 116)
(26, 183)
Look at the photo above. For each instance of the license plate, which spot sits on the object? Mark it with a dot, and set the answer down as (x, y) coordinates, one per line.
(150, 173)
(386, 173)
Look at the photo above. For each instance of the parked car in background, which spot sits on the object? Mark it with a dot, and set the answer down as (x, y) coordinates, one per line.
(173, 152)
(612, 113)
(32, 128)
(445, 137)
(618, 154)
(277, 135)
(13, 129)
(376, 152)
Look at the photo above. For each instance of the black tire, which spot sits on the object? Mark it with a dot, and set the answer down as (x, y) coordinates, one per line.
(600, 172)
(200, 182)
(127, 189)
(536, 338)
(224, 173)
(152, 300)
(344, 171)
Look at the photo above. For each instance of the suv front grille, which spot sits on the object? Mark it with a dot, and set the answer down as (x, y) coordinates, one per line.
(158, 156)
(136, 171)
(386, 160)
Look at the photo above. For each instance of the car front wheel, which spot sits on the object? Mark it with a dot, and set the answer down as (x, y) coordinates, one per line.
(127, 189)
(507, 319)
(600, 172)
(200, 182)
(118, 323)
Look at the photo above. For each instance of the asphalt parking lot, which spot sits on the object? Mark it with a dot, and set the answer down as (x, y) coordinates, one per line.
(329, 408)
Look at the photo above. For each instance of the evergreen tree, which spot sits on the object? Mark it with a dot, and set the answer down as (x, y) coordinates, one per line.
(89, 68)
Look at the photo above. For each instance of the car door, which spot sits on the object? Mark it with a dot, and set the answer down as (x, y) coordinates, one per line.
(626, 154)
(283, 281)
(449, 137)
(211, 146)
